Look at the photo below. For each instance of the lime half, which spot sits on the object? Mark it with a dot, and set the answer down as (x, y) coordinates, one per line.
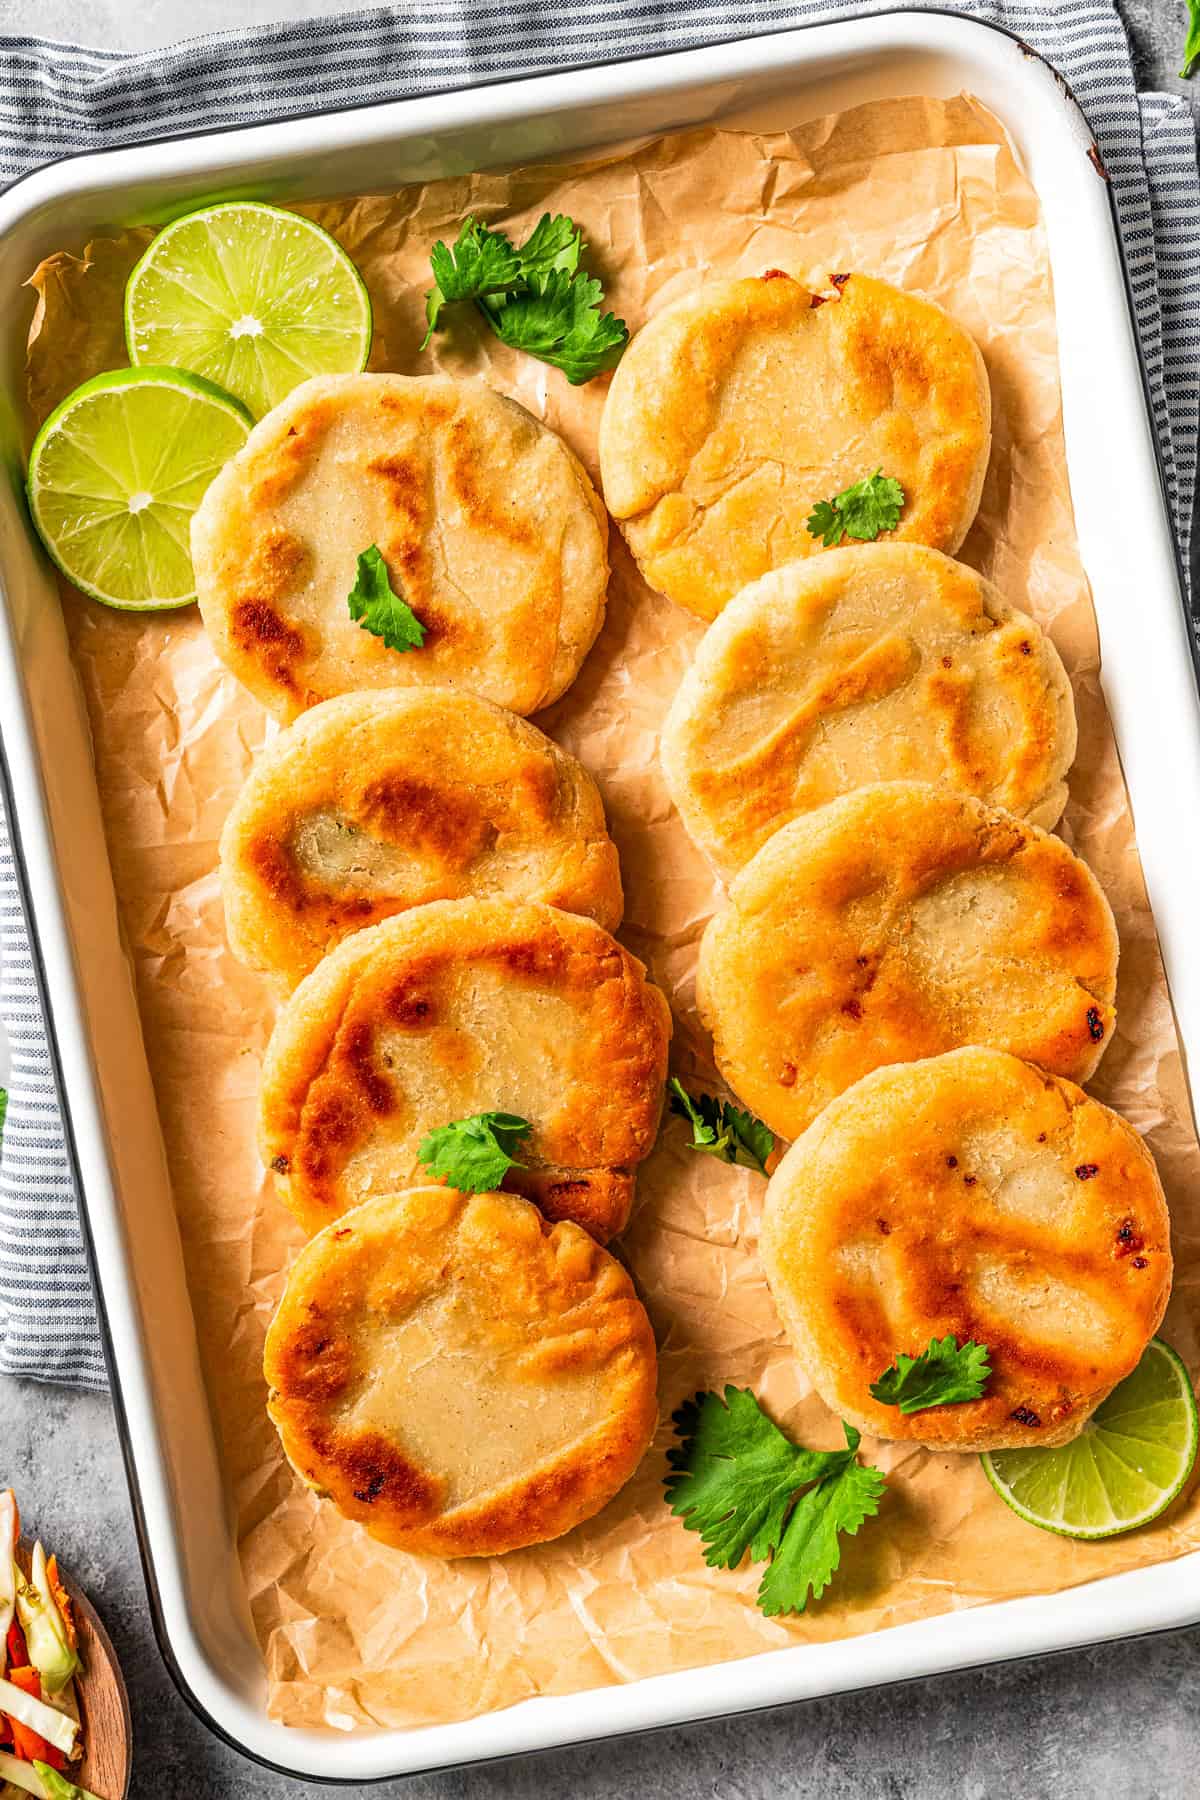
(254, 298)
(1128, 1463)
(116, 473)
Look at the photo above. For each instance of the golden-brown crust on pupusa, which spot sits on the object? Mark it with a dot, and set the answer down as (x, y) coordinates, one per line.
(976, 1196)
(458, 1375)
(883, 662)
(488, 525)
(900, 921)
(457, 1008)
(739, 407)
(373, 803)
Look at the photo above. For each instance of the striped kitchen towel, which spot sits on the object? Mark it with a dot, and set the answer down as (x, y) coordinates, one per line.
(57, 99)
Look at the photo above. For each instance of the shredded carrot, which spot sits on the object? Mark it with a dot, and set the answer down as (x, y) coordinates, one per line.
(30, 1746)
(62, 1600)
(26, 1743)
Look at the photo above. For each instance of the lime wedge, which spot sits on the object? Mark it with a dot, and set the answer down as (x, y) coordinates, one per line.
(1126, 1466)
(116, 473)
(252, 297)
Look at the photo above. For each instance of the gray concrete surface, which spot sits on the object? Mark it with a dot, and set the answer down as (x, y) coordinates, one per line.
(1121, 1722)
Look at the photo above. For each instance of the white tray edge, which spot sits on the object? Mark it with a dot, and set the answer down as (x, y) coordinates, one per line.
(1149, 638)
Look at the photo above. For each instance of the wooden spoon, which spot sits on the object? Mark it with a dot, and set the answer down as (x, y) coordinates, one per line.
(103, 1702)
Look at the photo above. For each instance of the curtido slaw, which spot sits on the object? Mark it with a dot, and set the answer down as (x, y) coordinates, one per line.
(39, 1660)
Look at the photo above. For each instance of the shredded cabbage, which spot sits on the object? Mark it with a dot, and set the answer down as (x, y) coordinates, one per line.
(45, 1631)
(47, 1721)
(22, 1775)
(37, 1779)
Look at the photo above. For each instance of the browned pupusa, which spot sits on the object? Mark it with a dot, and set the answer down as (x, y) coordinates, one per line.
(897, 922)
(878, 662)
(457, 1008)
(736, 409)
(459, 1375)
(488, 525)
(974, 1195)
(373, 803)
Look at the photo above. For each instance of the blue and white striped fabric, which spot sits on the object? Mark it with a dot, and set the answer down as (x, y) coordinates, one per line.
(56, 99)
(47, 1321)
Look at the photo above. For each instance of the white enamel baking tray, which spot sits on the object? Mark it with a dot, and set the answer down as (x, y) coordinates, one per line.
(187, 1543)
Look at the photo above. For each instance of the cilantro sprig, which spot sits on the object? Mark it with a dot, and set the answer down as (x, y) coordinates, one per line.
(481, 262)
(474, 1155)
(945, 1374)
(559, 321)
(378, 608)
(872, 505)
(534, 296)
(719, 1129)
(1191, 50)
(738, 1481)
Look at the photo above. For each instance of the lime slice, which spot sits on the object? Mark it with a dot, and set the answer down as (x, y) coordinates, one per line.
(252, 297)
(116, 473)
(1128, 1463)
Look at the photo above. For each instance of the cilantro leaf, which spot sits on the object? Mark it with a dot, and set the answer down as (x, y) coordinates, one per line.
(825, 522)
(754, 1141)
(378, 609)
(1191, 50)
(872, 505)
(554, 243)
(481, 262)
(810, 1553)
(703, 1114)
(558, 319)
(719, 1129)
(475, 1154)
(941, 1376)
(734, 1479)
(734, 1474)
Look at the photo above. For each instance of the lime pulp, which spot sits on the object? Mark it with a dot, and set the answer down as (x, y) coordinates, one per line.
(250, 296)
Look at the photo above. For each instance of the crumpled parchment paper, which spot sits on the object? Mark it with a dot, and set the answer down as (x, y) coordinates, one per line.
(927, 194)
